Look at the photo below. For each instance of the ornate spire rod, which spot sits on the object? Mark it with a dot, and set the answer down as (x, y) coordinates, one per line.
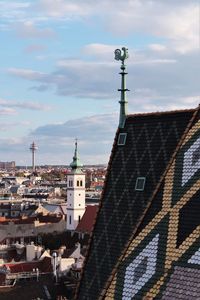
(123, 102)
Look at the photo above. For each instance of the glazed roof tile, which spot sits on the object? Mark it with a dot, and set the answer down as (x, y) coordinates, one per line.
(128, 256)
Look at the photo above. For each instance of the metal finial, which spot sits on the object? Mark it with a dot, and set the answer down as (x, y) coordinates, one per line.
(76, 142)
(120, 56)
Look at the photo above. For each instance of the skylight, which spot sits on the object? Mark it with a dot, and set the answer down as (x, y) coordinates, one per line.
(140, 183)
(121, 139)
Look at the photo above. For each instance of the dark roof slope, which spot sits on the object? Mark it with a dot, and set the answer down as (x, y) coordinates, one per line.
(162, 260)
(150, 143)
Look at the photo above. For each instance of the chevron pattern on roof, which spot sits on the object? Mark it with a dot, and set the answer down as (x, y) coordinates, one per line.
(177, 274)
(150, 143)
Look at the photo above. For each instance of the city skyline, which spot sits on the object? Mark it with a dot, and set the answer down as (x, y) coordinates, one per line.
(59, 78)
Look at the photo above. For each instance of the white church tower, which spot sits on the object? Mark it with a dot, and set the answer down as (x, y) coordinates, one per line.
(75, 192)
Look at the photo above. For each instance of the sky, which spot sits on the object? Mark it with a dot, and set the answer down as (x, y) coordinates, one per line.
(59, 79)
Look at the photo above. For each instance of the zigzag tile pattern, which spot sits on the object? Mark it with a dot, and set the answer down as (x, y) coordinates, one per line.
(151, 141)
(176, 264)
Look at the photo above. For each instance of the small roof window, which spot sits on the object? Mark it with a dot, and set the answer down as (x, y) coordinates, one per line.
(121, 139)
(140, 183)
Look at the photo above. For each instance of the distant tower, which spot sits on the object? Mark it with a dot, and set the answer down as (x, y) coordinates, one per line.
(33, 149)
(123, 102)
(75, 192)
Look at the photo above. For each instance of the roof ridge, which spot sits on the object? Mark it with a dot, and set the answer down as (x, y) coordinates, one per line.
(162, 112)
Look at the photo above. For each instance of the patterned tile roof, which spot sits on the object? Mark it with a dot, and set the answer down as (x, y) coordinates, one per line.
(141, 237)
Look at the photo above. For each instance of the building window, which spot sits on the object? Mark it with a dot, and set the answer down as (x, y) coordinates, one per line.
(140, 183)
(81, 183)
(121, 139)
(77, 182)
(70, 220)
(70, 183)
(79, 218)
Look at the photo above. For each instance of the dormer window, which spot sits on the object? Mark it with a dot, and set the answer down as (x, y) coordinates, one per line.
(121, 139)
(140, 183)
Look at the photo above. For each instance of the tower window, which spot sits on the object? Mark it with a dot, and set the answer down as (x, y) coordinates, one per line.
(79, 218)
(121, 139)
(140, 183)
(70, 183)
(77, 182)
(70, 220)
(81, 183)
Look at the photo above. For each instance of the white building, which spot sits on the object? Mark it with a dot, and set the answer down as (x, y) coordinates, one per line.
(75, 192)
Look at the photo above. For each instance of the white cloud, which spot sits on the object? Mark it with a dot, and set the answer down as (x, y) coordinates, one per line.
(89, 129)
(157, 47)
(29, 30)
(56, 141)
(9, 126)
(7, 111)
(27, 73)
(176, 22)
(9, 105)
(163, 73)
(34, 48)
(101, 51)
(62, 8)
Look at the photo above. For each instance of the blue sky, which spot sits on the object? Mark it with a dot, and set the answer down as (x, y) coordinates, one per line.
(59, 79)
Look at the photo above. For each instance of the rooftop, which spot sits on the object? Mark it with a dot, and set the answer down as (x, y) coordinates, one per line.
(151, 232)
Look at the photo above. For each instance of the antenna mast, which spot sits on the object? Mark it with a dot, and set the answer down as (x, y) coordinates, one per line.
(33, 149)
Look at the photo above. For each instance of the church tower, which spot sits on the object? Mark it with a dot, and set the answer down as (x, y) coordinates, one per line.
(75, 192)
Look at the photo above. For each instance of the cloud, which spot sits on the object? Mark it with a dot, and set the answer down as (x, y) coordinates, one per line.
(7, 111)
(101, 51)
(56, 141)
(34, 48)
(29, 30)
(157, 47)
(27, 74)
(8, 126)
(160, 71)
(92, 128)
(95, 135)
(9, 105)
(179, 26)
(176, 22)
(62, 8)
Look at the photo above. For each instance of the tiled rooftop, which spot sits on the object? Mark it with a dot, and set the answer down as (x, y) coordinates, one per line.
(87, 221)
(145, 240)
